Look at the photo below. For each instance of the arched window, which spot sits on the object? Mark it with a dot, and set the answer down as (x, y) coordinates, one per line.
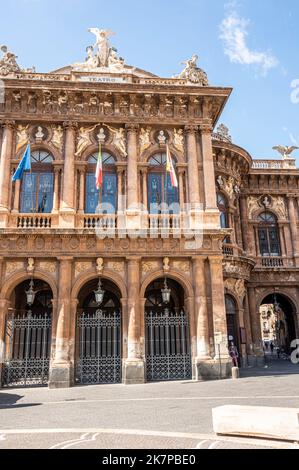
(268, 234)
(37, 185)
(160, 189)
(107, 195)
(223, 208)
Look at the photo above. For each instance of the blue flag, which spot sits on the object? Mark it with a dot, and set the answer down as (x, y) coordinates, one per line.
(25, 164)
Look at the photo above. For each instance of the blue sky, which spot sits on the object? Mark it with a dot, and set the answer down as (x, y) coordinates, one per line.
(249, 45)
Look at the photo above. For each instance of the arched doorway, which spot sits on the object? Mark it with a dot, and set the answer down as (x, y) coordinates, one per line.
(98, 343)
(277, 315)
(28, 335)
(167, 335)
(232, 321)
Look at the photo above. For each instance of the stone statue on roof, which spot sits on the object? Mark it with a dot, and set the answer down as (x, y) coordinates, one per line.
(8, 62)
(192, 73)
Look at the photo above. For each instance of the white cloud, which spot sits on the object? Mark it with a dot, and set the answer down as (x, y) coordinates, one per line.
(234, 33)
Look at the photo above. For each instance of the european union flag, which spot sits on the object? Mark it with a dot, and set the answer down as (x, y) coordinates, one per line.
(25, 164)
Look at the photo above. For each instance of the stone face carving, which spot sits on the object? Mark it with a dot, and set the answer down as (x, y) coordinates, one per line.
(8, 62)
(22, 136)
(99, 265)
(161, 138)
(144, 139)
(118, 139)
(101, 136)
(39, 136)
(178, 139)
(166, 262)
(83, 140)
(192, 73)
(30, 265)
(57, 137)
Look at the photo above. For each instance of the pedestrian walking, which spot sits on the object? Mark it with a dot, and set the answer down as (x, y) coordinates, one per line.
(233, 352)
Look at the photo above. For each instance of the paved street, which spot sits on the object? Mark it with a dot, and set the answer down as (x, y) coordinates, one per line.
(155, 415)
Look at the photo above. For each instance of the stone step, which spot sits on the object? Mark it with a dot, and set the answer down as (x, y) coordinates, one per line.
(257, 421)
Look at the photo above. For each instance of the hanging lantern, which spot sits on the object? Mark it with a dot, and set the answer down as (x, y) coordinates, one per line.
(276, 305)
(166, 293)
(99, 293)
(30, 293)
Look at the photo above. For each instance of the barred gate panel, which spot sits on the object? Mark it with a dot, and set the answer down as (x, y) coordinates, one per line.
(99, 344)
(27, 350)
(168, 355)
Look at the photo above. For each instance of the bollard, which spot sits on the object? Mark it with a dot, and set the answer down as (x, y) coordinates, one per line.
(235, 373)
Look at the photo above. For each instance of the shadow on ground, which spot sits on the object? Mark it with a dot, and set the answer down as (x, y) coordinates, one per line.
(273, 367)
(9, 400)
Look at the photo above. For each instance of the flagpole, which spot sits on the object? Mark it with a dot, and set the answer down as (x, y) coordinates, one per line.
(31, 181)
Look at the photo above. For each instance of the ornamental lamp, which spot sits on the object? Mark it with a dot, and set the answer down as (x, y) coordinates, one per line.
(30, 293)
(99, 293)
(166, 293)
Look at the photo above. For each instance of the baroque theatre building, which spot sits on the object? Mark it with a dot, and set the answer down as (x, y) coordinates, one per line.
(140, 279)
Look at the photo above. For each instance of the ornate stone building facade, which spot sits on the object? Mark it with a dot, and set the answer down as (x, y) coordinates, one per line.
(169, 299)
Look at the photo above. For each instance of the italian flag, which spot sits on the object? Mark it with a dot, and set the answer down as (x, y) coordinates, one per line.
(170, 169)
(99, 170)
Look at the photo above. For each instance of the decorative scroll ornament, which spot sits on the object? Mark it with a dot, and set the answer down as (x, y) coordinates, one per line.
(178, 139)
(148, 266)
(83, 140)
(57, 137)
(13, 266)
(118, 139)
(192, 73)
(144, 139)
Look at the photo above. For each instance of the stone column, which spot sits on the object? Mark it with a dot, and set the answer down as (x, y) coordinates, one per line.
(219, 314)
(208, 169)
(60, 373)
(247, 324)
(68, 195)
(244, 224)
(144, 188)
(181, 172)
(81, 190)
(120, 173)
(56, 190)
(134, 364)
(132, 168)
(293, 227)
(201, 311)
(192, 166)
(4, 305)
(255, 322)
(16, 201)
(5, 159)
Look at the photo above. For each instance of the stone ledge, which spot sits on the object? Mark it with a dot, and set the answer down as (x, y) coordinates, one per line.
(257, 421)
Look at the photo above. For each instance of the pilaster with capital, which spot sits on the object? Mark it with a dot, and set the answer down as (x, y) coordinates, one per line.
(208, 167)
(218, 304)
(134, 364)
(293, 228)
(201, 310)
(57, 171)
(68, 196)
(132, 167)
(192, 157)
(60, 372)
(255, 321)
(5, 159)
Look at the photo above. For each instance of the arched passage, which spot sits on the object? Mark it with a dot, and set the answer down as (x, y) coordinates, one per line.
(28, 335)
(277, 316)
(167, 332)
(98, 333)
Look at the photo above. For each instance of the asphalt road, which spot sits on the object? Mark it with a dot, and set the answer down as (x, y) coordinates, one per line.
(171, 415)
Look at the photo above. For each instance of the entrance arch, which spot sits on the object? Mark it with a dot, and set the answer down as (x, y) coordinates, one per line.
(277, 316)
(28, 335)
(167, 333)
(98, 334)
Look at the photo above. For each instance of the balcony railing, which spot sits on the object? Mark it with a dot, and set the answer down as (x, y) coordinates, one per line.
(272, 262)
(34, 221)
(228, 249)
(98, 221)
(274, 164)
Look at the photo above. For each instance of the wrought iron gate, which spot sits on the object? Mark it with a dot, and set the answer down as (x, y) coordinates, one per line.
(168, 355)
(27, 350)
(99, 347)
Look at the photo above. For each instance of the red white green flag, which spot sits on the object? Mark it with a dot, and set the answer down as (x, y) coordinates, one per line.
(170, 169)
(99, 170)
